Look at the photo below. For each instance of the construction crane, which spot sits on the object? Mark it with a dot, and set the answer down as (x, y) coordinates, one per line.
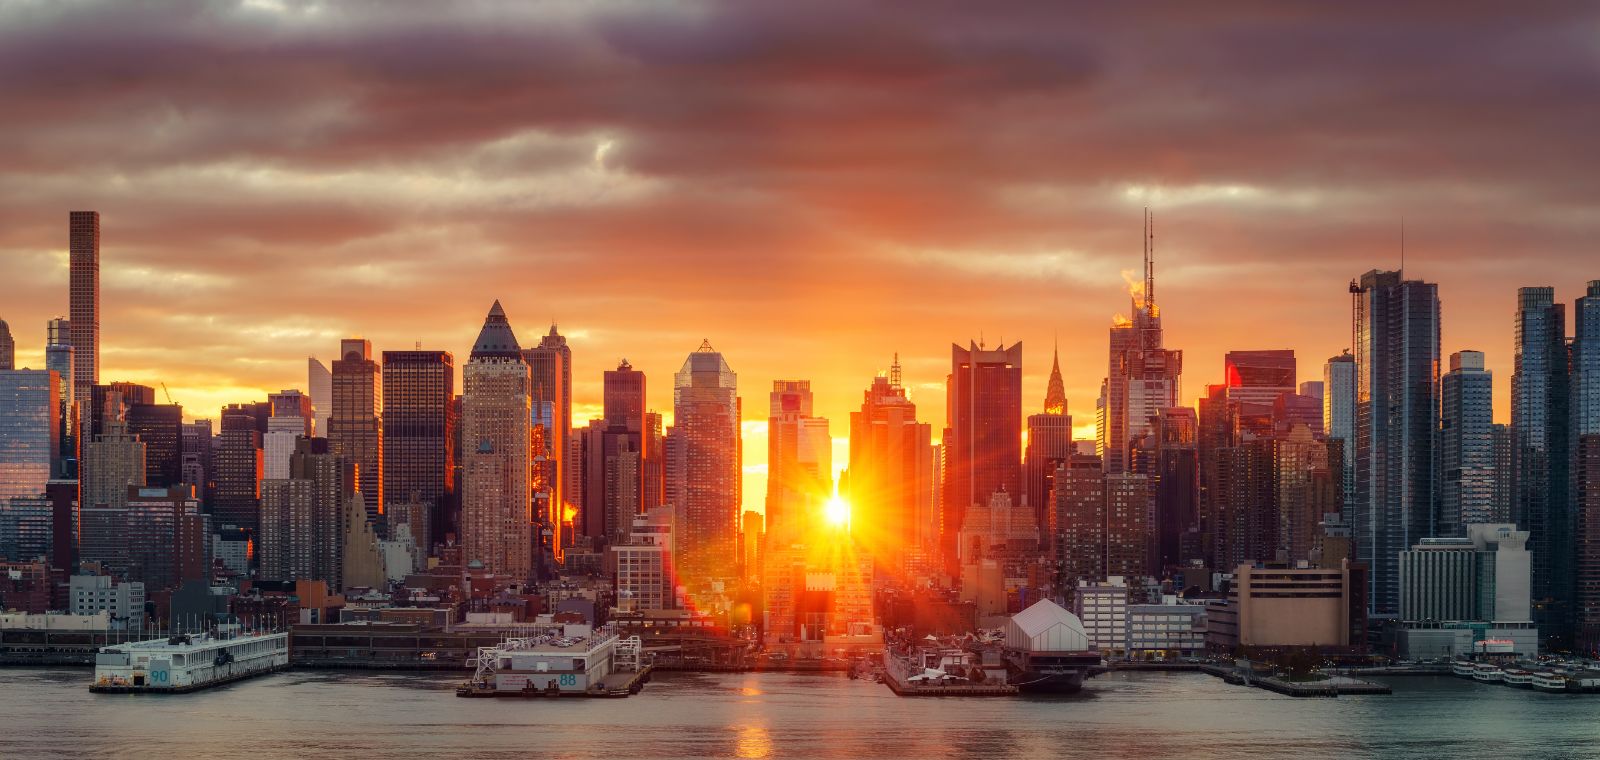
(168, 394)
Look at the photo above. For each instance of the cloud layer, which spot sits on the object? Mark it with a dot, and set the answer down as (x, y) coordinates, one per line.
(813, 186)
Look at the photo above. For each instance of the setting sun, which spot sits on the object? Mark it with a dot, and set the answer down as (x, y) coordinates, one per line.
(836, 512)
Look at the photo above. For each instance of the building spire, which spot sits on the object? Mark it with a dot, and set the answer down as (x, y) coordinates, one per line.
(894, 372)
(1055, 393)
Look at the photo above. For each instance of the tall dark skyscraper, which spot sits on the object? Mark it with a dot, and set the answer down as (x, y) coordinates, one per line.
(237, 466)
(160, 428)
(1540, 384)
(418, 433)
(355, 429)
(83, 233)
(1585, 401)
(615, 455)
(983, 443)
(706, 411)
(1397, 423)
(550, 367)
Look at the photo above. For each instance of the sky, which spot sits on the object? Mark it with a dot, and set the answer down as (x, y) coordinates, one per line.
(813, 187)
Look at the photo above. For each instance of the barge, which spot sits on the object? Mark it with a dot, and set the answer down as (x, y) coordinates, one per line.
(188, 662)
(560, 661)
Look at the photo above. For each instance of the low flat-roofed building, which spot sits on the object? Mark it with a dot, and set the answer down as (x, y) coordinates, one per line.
(1281, 607)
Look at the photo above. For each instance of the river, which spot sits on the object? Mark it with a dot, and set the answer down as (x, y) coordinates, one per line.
(326, 714)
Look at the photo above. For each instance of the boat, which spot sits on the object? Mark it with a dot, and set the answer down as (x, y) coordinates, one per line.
(1520, 679)
(188, 662)
(1462, 668)
(1549, 682)
(560, 661)
(1488, 673)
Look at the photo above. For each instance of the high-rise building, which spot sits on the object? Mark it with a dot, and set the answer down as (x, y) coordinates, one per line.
(301, 536)
(419, 427)
(891, 482)
(114, 461)
(292, 419)
(319, 383)
(8, 348)
(168, 538)
(1482, 575)
(160, 428)
(1176, 474)
(550, 366)
(355, 429)
(983, 443)
(1339, 412)
(237, 466)
(58, 359)
(30, 431)
(706, 414)
(1540, 387)
(196, 463)
(1466, 445)
(615, 455)
(1397, 423)
(799, 461)
(1142, 377)
(1079, 521)
(1259, 377)
(1585, 362)
(1049, 445)
(1586, 510)
(497, 517)
(83, 243)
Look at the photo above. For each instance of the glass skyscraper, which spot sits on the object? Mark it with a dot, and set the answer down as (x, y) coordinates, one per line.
(1397, 423)
(1539, 420)
(30, 431)
(1466, 445)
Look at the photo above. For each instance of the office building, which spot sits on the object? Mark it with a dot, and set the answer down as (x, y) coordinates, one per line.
(497, 518)
(319, 383)
(891, 482)
(550, 367)
(706, 412)
(1483, 576)
(122, 602)
(237, 467)
(1397, 423)
(1339, 412)
(799, 462)
(1142, 376)
(302, 527)
(1466, 445)
(616, 457)
(113, 461)
(1275, 608)
(983, 443)
(1586, 512)
(1049, 445)
(30, 431)
(292, 418)
(355, 429)
(1540, 387)
(8, 348)
(419, 430)
(196, 462)
(160, 428)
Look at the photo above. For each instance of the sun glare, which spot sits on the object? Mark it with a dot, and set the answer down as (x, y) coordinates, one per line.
(837, 512)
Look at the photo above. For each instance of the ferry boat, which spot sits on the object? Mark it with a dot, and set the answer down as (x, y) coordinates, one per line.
(1520, 679)
(1462, 668)
(1549, 682)
(188, 662)
(1488, 673)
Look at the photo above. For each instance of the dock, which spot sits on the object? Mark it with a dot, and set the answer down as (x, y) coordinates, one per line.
(1332, 686)
(613, 686)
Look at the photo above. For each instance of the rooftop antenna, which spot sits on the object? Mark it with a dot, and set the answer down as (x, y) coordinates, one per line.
(1402, 248)
(894, 371)
(1150, 263)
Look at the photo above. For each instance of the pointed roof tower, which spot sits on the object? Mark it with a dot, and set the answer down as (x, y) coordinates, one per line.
(496, 338)
(1055, 392)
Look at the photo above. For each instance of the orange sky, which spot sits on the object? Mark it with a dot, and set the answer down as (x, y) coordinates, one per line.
(812, 187)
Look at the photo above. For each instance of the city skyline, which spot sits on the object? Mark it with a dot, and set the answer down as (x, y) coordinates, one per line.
(327, 203)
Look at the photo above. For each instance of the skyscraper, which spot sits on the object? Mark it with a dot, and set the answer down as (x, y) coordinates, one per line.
(114, 461)
(8, 348)
(497, 518)
(237, 468)
(196, 462)
(1397, 422)
(706, 411)
(1466, 445)
(1585, 400)
(302, 524)
(58, 359)
(1142, 377)
(891, 481)
(1586, 510)
(983, 443)
(419, 427)
(615, 456)
(292, 419)
(30, 431)
(1339, 413)
(1540, 387)
(550, 365)
(355, 429)
(160, 428)
(319, 383)
(83, 242)
(799, 461)
(1049, 445)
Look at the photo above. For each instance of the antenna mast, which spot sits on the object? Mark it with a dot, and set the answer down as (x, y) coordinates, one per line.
(1150, 264)
(894, 371)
